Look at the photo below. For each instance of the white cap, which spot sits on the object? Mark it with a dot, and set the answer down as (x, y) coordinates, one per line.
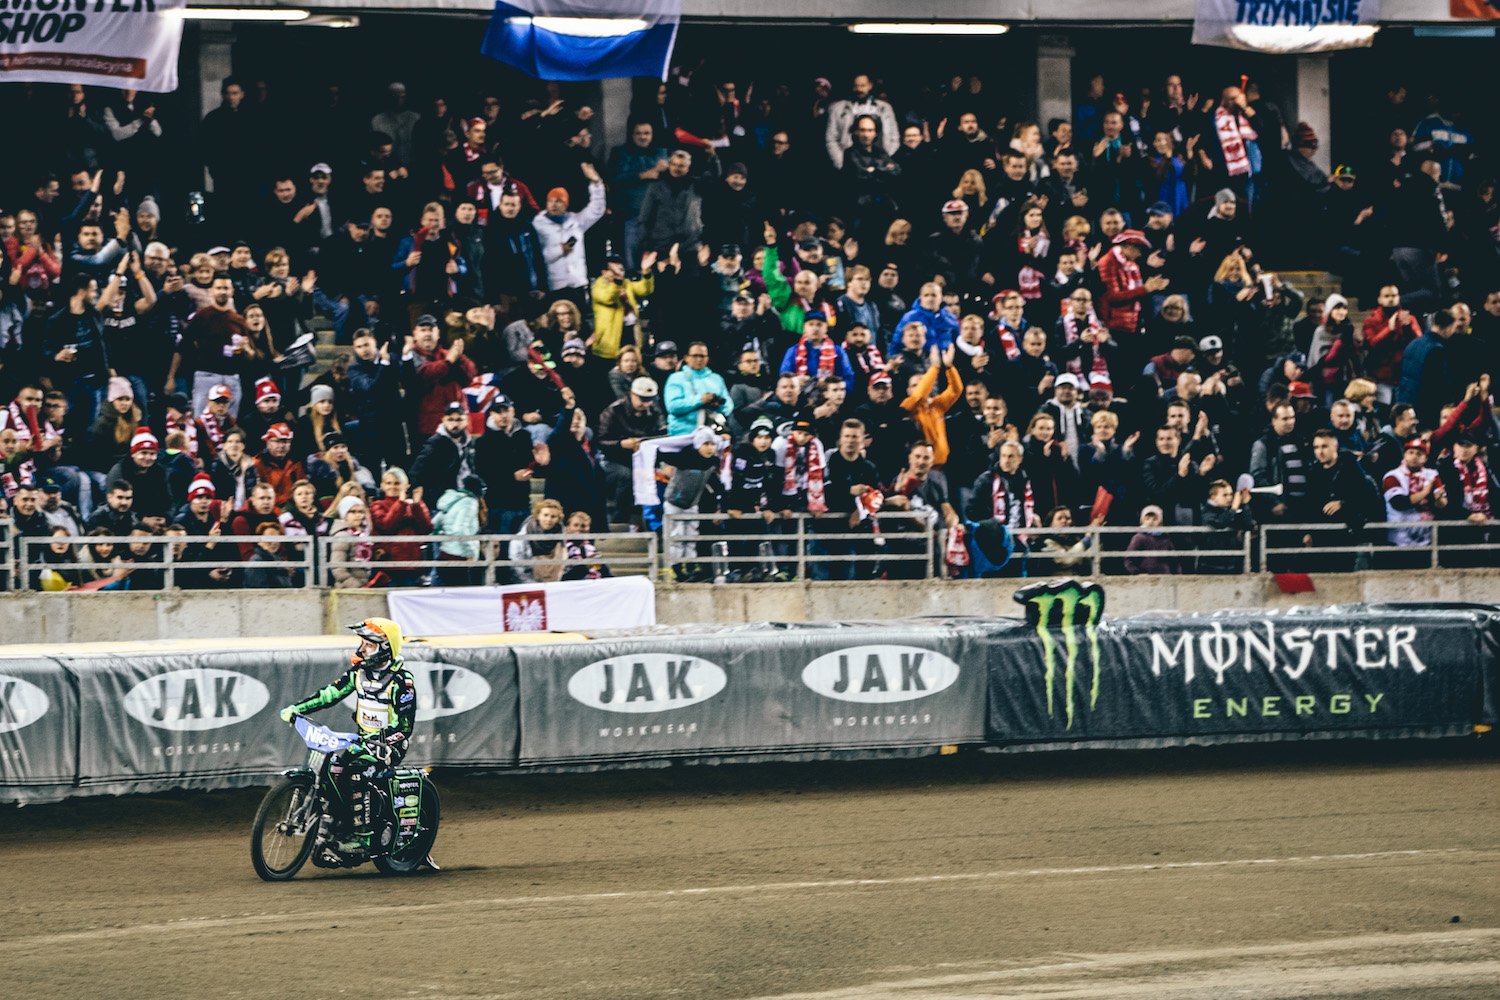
(320, 168)
(1068, 378)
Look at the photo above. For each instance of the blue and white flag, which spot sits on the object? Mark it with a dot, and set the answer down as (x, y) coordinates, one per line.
(584, 39)
(1286, 26)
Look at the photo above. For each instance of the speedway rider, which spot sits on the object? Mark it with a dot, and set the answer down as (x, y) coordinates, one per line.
(385, 712)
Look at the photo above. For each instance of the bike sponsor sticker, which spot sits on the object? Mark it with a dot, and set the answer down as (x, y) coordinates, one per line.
(647, 682)
(880, 674)
(196, 699)
(21, 703)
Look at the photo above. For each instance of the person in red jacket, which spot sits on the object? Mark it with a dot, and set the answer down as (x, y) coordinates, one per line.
(396, 513)
(437, 374)
(275, 466)
(1387, 330)
(1120, 276)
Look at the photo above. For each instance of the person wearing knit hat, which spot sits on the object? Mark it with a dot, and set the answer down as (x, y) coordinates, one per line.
(276, 466)
(201, 485)
(119, 388)
(561, 230)
(148, 207)
(144, 440)
(268, 410)
(147, 478)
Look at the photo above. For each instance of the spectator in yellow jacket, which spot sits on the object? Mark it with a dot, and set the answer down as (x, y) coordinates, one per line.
(927, 410)
(617, 304)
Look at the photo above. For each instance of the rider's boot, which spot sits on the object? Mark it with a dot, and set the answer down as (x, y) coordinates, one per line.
(356, 839)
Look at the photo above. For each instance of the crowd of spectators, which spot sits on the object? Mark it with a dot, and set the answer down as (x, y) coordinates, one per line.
(825, 300)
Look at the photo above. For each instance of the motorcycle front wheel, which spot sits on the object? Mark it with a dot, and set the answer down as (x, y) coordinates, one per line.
(277, 850)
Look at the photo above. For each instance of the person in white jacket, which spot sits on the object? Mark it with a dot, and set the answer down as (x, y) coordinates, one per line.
(561, 234)
(843, 114)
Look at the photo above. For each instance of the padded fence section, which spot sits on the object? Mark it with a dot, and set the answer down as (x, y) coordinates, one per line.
(88, 723)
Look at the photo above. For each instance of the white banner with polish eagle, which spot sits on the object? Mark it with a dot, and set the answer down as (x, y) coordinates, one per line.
(572, 606)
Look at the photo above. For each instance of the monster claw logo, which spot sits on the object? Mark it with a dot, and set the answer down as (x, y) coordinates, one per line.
(1052, 608)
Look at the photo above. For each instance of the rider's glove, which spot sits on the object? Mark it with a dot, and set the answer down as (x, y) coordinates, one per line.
(380, 751)
(287, 713)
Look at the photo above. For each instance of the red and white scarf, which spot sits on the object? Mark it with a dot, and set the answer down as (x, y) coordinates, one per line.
(1099, 366)
(810, 458)
(215, 430)
(1001, 501)
(1476, 483)
(826, 359)
(29, 424)
(1234, 130)
(1010, 339)
(873, 360)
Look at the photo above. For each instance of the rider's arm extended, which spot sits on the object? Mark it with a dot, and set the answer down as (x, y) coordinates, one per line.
(332, 694)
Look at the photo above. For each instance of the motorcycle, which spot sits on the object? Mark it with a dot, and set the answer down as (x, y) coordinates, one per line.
(295, 820)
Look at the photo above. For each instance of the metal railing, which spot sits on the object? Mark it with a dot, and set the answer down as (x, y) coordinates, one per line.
(172, 547)
(790, 544)
(1106, 560)
(492, 558)
(907, 545)
(1372, 547)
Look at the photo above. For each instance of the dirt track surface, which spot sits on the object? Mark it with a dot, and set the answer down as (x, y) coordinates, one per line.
(1277, 871)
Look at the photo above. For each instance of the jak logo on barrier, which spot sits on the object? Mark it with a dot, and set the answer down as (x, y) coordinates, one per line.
(880, 674)
(646, 682)
(1055, 608)
(197, 699)
(21, 703)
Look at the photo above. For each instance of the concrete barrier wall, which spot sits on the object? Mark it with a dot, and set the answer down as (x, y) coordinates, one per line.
(92, 617)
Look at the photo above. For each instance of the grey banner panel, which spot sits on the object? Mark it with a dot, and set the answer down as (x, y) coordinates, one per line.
(192, 715)
(748, 690)
(467, 705)
(38, 727)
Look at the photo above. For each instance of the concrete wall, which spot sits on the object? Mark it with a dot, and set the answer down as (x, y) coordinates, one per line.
(93, 617)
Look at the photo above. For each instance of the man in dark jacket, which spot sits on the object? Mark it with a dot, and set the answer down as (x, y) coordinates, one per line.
(147, 480)
(1427, 379)
(373, 425)
(507, 459)
(447, 458)
(672, 210)
(1338, 494)
(512, 265)
(622, 426)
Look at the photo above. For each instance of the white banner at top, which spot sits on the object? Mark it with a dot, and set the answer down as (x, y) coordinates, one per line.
(1286, 26)
(125, 44)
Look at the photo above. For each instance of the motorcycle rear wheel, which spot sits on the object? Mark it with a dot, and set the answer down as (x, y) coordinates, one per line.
(409, 859)
(276, 854)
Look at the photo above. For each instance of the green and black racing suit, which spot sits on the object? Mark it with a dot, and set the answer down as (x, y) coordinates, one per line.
(385, 712)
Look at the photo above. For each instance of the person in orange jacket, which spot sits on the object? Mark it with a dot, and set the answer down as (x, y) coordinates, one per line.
(927, 410)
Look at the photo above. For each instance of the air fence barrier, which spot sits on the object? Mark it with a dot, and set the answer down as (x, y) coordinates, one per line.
(152, 716)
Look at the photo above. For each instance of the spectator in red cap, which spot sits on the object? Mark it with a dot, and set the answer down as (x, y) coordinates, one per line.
(216, 421)
(276, 466)
(1413, 493)
(153, 495)
(268, 411)
(1123, 289)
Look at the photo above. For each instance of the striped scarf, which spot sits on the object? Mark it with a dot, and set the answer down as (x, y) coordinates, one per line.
(826, 359)
(1234, 131)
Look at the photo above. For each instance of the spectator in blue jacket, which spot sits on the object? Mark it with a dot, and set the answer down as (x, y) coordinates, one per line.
(941, 325)
(694, 391)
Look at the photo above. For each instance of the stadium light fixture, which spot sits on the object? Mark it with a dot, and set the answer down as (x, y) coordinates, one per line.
(281, 14)
(927, 28)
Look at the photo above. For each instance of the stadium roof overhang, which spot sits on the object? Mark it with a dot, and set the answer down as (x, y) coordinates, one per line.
(1036, 13)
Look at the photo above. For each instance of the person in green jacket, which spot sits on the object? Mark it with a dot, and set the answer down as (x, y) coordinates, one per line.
(793, 301)
(385, 712)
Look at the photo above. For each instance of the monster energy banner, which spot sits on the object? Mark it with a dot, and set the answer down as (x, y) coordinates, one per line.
(754, 690)
(1081, 679)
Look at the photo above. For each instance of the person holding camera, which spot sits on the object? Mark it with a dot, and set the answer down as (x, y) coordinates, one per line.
(694, 391)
